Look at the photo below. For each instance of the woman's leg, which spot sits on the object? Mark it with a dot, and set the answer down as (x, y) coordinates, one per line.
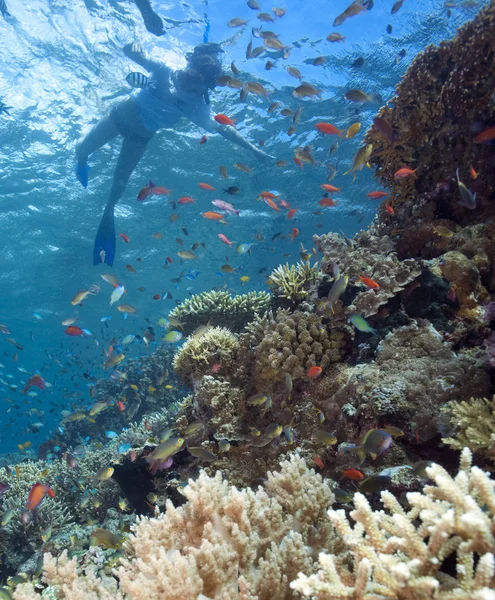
(129, 157)
(102, 132)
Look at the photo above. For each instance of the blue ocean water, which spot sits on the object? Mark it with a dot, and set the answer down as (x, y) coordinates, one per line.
(62, 69)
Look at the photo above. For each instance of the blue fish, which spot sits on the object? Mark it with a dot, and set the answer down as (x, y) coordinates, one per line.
(123, 448)
(103, 319)
(111, 434)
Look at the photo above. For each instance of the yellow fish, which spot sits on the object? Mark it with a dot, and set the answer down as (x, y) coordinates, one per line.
(352, 130)
(113, 360)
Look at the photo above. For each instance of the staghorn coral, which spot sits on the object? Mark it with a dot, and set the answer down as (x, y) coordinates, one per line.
(291, 343)
(222, 543)
(373, 256)
(403, 554)
(445, 93)
(414, 373)
(474, 422)
(220, 309)
(196, 357)
(293, 283)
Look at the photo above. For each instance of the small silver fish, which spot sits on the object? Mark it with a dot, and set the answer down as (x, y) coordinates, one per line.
(468, 199)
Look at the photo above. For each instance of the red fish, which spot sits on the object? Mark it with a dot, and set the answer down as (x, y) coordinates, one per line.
(36, 495)
(291, 213)
(203, 140)
(314, 371)
(298, 162)
(224, 120)
(404, 172)
(125, 238)
(390, 210)
(328, 129)
(216, 367)
(485, 136)
(327, 202)
(319, 462)
(352, 474)
(158, 190)
(376, 195)
(35, 380)
(213, 216)
(473, 172)
(120, 405)
(146, 191)
(224, 239)
(74, 330)
(169, 260)
(270, 195)
(186, 200)
(294, 234)
(206, 186)
(283, 204)
(329, 188)
(368, 282)
(156, 297)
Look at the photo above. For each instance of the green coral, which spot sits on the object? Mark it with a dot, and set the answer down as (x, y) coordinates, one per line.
(474, 421)
(220, 309)
(217, 345)
(293, 282)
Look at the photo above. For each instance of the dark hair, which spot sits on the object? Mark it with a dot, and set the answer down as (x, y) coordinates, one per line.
(204, 60)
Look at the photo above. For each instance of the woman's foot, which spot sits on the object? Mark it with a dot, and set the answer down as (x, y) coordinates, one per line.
(82, 170)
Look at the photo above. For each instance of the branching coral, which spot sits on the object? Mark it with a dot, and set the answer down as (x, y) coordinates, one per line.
(373, 256)
(220, 309)
(216, 346)
(401, 554)
(293, 283)
(474, 422)
(223, 543)
(292, 343)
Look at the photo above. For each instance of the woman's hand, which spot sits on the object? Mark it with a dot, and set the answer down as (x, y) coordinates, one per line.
(133, 50)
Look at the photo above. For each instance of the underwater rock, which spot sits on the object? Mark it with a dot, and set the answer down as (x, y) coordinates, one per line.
(220, 309)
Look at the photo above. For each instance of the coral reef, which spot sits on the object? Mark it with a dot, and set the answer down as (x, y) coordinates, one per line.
(414, 374)
(372, 256)
(474, 422)
(292, 283)
(215, 348)
(221, 543)
(291, 343)
(405, 553)
(220, 309)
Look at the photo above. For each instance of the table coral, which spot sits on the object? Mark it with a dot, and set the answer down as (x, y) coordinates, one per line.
(403, 554)
(220, 309)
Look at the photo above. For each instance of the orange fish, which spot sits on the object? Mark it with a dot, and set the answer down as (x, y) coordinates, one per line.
(485, 136)
(169, 260)
(270, 195)
(319, 462)
(224, 120)
(158, 190)
(328, 129)
(314, 371)
(329, 188)
(214, 216)
(125, 238)
(206, 186)
(298, 162)
(291, 212)
(389, 209)
(203, 140)
(186, 200)
(294, 234)
(224, 239)
(472, 172)
(110, 350)
(120, 405)
(376, 195)
(352, 474)
(36, 495)
(271, 203)
(35, 380)
(327, 202)
(405, 172)
(373, 285)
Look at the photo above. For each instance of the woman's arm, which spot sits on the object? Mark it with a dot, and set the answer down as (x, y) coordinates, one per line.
(135, 52)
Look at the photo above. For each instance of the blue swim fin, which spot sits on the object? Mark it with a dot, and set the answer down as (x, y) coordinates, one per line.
(104, 250)
(82, 170)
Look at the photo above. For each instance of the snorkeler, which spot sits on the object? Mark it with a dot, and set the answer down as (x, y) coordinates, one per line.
(166, 97)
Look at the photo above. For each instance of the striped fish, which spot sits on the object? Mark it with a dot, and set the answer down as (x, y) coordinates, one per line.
(136, 79)
(3, 8)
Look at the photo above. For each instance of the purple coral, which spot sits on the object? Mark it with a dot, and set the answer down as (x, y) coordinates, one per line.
(489, 345)
(489, 310)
